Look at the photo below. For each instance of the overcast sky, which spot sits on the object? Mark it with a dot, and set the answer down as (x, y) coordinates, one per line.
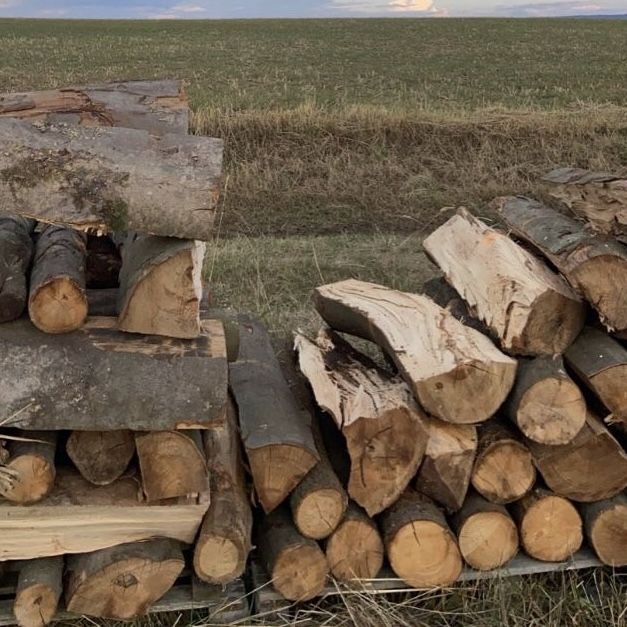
(216, 9)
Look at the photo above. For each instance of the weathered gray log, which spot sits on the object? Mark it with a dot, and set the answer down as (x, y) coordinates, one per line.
(39, 588)
(111, 179)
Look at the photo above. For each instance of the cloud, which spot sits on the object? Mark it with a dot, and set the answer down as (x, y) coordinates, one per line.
(5, 4)
(379, 7)
(179, 11)
(550, 9)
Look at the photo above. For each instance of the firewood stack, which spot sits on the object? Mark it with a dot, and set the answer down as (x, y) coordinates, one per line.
(120, 444)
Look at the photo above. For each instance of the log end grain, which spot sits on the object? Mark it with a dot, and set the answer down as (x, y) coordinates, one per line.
(606, 528)
(59, 306)
(220, 559)
(36, 605)
(319, 513)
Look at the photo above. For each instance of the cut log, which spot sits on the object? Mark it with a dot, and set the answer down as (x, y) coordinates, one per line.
(99, 379)
(599, 198)
(605, 523)
(111, 179)
(593, 467)
(295, 564)
(161, 286)
(421, 548)
(39, 588)
(545, 403)
(30, 472)
(601, 364)
(103, 264)
(449, 459)
(16, 252)
(155, 106)
(101, 456)
(595, 267)
(276, 431)
(487, 535)
(57, 302)
(444, 362)
(376, 413)
(224, 540)
(504, 470)
(172, 464)
(532, 310)
(122, 582)
(78, 517)
(355, 549)
(550, 526)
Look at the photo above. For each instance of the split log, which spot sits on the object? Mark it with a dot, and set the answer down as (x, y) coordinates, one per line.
(158, 107)
(599, 198)
(16, 252)
(375, 412)
(103, 263)
(161, 286)
(596, 267)
(355, 549)
(111, 179)
(550, 526)
(449, 459)
(545, 403)
(295, 564)
(605, 523)
(601, 364)
(487, 535)
(224, 540)
(592, 467)
(100, 379)
(39, 588)
(276, 431)
(528, 307)
(101, 456)
(122, 582)
(30, 472)
(421, 548)
(503, 470)
(444, 362)
(57, 302)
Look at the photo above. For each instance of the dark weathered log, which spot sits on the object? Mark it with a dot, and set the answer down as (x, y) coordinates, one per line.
(276, 430)
(444, 362)
(155, 106)
(545, 403)
(16, 252)
(101, 456)
(57, 302)
(532, 310)
(124, 581)
(224, 540)
(295, 564)
(39, 588)
(102, 302)
(605, 523)
(595, 266)
(375, 412)
(111, 179)
(102, 267)
(99, 379)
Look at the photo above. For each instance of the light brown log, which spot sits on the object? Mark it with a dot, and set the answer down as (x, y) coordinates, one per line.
(503, 470)
(605, 523)
(591, 468)
(160, 286)
(172, 464)
(296, 565)
(224, 540)
(550, 526)
(101, 456)
(355, 549)
(487, 535)
(122, 582)
(445, 473)
(103, 263)
(57, 302)
(421, 548)
(532, 310)
(595, 266)
(546, 404)
(444, 362)
(39, 588)
(111, 179)
(30, 471)
(375, 412)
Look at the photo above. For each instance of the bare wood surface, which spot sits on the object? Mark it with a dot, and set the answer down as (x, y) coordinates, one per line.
(39, 588)
(605, 523)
